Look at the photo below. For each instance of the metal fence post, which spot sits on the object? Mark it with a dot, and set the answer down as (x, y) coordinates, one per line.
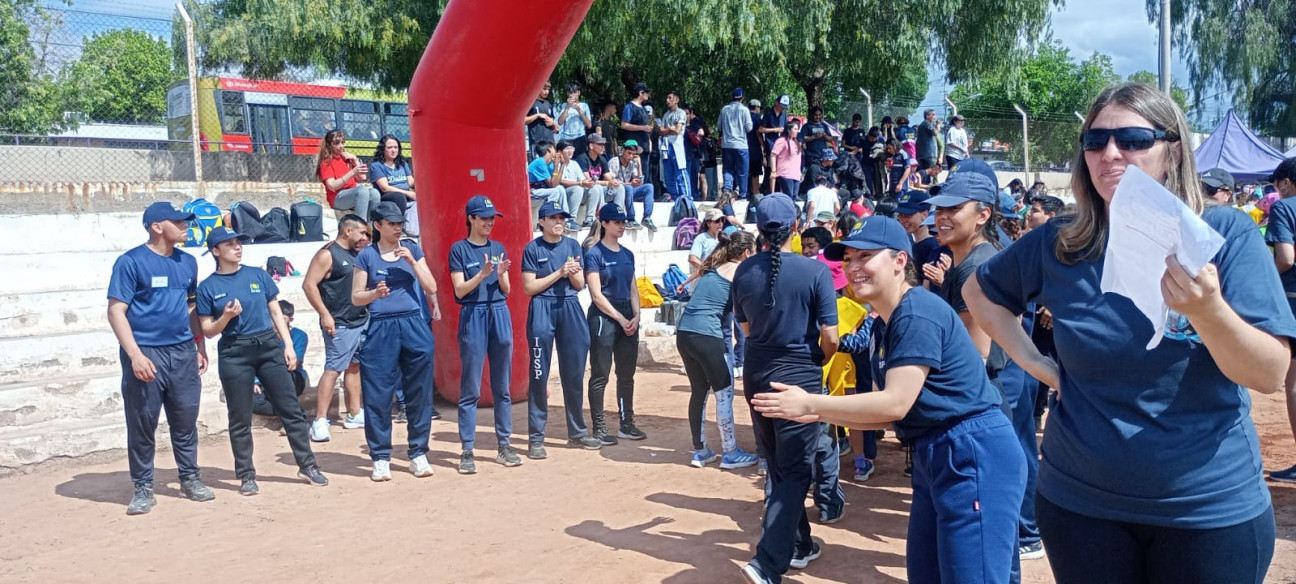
(1025, 142)
(869, 99)
(953, 108)
(196, 137)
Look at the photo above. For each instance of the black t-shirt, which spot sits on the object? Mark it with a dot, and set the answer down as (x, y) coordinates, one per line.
(595, 167)
(951, 291)
(537, 131)
(854, 137)
(634, 113)
(925, 252)
(771, 120)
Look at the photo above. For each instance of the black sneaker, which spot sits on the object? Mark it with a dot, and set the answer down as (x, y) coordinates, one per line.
(649, 224)
(587, 442)
(507, 457)
(572, 226)
(313, 476)
(630, 432)
(467, 464)
(606, 439)
(142, 502)
(800, 561)
(536, 451)
(908, 471)
(400, 416)
(436, 415)
(587, 224)
(249, 487)
(633, 225)
(194, 490)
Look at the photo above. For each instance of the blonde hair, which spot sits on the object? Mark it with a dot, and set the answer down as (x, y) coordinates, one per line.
(1084, 237)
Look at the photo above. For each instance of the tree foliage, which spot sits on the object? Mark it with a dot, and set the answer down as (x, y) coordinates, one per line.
(122, 76)
(27, 99)
(1177, 92)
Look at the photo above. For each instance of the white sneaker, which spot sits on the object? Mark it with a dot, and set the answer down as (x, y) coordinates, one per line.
(351, 422)
(738, 372)
(419, 466)
(319, 430)
(381, 471)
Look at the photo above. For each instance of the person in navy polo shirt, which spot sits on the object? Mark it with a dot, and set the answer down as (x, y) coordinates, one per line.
(479, 273)
(151, 298)
(613, 319)
(1281, 236)
(1151, 467)
(240, 303)
(969, 471)
(552, 276)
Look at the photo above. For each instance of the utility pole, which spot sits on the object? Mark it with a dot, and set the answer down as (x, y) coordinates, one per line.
(1025, 142)
(1164, 61)
(869, 99)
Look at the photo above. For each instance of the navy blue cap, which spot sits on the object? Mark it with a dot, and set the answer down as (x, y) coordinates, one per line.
(737, 93)
(963, 187)
(913, 201)
(978, 166)
(482, 206)
(775, 212)
(872, 233)
(612, 213)
(221, 235)
(387, 210)
(551, 208)
(164, 211)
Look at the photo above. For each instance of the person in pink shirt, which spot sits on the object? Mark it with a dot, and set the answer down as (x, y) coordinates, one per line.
(785, 162)
(813, 242)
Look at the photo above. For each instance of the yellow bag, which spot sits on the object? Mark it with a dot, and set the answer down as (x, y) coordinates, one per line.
(839, 373)
(649, 297)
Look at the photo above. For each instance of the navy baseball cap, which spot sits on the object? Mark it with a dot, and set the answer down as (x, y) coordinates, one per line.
(1218, 178)
(737, 93)
(389, 211)
(978, 166)
(551, 208)
(964, 187)
(913, 201)
(221, 235)
(612, 213)
(873, 233)
(775, 212)
(482, 206)
(164, 211)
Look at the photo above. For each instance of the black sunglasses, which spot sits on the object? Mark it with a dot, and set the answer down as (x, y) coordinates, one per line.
(1131, 138)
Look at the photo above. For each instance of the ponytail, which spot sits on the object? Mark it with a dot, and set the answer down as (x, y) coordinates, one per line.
(775, 240)
(990, 231)
(595, 236)
(730, 248)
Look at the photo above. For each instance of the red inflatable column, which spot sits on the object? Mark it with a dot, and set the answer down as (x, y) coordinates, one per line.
(479, 75)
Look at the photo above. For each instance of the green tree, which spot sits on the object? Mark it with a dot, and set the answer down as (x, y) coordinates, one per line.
(27, 98)
(1177, 93)
(122, 76)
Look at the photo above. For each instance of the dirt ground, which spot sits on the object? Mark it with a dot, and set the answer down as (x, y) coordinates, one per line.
(630, 513)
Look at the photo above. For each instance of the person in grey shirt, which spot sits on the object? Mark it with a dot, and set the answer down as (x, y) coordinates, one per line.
(927, 147)
(674, 161)
(734, 124)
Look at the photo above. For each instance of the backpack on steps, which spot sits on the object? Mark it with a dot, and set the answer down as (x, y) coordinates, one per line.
(207, 217)
(306, 222)
(245, 219)
(686, 231)
(276, 226)
(682, 209)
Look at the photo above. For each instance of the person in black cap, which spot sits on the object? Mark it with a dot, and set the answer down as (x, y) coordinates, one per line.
(637, 125)
(1281, 236)
(1217, 184)
(163, 355)
(240, 303)
(613, 319)
(787, 306)
(969, 471)
(479, 273)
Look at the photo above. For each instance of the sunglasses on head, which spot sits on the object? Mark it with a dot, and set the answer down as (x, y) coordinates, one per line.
(1131, 138)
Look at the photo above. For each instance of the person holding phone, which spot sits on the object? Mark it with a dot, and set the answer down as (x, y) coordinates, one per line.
(345, 177)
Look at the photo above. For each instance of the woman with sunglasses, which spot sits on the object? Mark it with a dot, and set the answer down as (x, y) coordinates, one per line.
(1151, 466)
(969, 471)
(345, 178)
(613, 319)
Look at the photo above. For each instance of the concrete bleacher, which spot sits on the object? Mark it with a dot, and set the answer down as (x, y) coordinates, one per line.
(60, 372)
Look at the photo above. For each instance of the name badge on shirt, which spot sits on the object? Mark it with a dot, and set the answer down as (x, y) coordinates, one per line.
(219, 296)
(160, 281)
(473, 265)
(542, 261)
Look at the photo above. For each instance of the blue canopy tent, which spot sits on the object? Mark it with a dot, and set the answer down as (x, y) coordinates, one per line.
(1234, 148)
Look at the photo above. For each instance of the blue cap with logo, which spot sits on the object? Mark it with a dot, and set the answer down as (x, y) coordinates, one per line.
(551, 208)
(164, 211)
(874, 233)
(775, 212)
(482, 206)
(963, 187)
(737, 93)
(978, 166)
(221, 235)
(612, 213)
(913, 201)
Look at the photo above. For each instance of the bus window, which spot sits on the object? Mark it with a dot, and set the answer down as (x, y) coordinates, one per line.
(233, 117)
(360, 119)
(312, 116)
(396, 120)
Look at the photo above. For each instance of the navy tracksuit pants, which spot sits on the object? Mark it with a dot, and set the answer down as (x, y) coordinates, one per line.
(967, 482)
(177, 387)
(485, 331)
(397, 352)
(550, 318)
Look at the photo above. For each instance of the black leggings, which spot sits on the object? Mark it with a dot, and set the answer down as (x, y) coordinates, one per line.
(704, 362)
(1083, 549)
(609, 344)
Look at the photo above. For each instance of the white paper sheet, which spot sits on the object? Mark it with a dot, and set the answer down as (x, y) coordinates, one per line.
(1146, 224)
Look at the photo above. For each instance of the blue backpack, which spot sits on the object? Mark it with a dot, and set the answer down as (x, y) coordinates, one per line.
(672, 280)
(207, 216)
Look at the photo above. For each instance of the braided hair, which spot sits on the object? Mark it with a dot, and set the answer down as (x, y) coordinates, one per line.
(775, 240)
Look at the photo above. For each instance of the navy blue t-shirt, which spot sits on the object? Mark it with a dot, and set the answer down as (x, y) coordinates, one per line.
(804, 301)
(1161, 436)
(542, 258)
(399, 276)
(1282, 229)
(616, 270)
(468, 258)
(157, 290)
(925, 252)
(252, 287)
(814, 148)
(925, 331)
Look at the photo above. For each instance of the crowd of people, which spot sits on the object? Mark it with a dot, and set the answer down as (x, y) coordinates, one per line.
(979, 306)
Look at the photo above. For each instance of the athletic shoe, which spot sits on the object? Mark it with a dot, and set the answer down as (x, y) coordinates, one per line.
(1284, 476)
(908, 471)
(738, 372)
(863, 469)
(319, 430)
(572, 226)
(753, 574)
(739, 458)
(467, 464)
(400, 416)
(587, 442)
(633, 225)
(799, 561)
(508, 457)
(762, 467)
(630, 432)
(435, 414)
(381, 471)
(142, 502)
(194, 490)
(536, 451)
(649, 224)
(587, 224)
(249, 487)
(419, 466)
(313, 476)
(703, 457)
(1031, 551)
(355, 422)
(827, 518)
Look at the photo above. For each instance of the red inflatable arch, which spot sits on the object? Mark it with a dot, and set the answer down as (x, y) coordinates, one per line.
(479, 75)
